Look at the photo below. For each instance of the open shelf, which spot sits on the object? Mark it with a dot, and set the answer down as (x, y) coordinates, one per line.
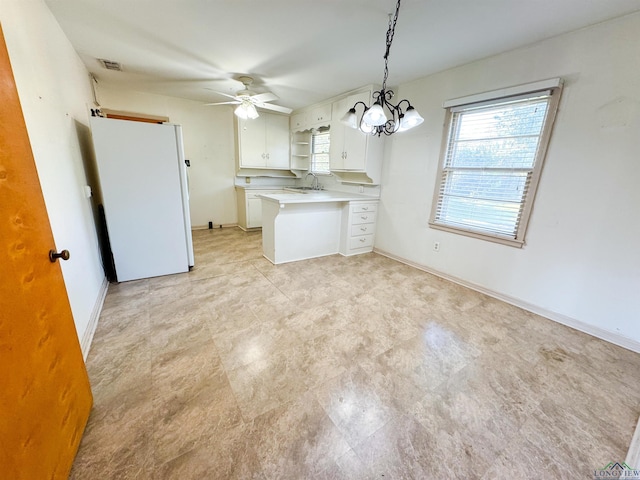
(300, 150)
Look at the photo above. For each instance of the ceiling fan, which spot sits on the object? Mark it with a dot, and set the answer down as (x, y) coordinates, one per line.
(248, 100)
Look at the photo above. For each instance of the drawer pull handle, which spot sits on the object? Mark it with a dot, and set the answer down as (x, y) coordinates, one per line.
(364, 217)
(362, 240)
(364, 229)
(365, 208)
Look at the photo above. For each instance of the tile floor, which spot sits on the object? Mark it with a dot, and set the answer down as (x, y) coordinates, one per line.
(343, 368)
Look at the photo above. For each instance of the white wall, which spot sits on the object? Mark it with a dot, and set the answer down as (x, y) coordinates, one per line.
(54, 92)
(208, 143)
(581, 261)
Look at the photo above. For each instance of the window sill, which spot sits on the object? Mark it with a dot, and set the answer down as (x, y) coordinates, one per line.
(475, 234)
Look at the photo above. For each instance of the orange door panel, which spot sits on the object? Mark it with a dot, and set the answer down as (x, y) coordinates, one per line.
(45, 397)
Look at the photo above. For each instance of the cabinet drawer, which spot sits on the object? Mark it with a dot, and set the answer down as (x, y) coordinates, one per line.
(360, 242)
(362, 229)
(364, 217)
(363, 207)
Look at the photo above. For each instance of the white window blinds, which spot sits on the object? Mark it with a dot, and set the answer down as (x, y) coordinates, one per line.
(493, 154)
(320, 141)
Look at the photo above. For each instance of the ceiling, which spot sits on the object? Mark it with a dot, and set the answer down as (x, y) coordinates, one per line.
(304, 51)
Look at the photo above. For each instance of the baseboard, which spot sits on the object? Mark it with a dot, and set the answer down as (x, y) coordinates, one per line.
(215, 225)
(87, 338)
(633, 455)
(597, 332)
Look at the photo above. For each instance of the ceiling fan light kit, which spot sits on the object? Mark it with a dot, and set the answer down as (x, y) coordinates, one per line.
(374, 120)
(247, 101)
(246, 110)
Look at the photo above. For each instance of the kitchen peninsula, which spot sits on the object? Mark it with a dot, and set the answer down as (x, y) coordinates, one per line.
(297, 226)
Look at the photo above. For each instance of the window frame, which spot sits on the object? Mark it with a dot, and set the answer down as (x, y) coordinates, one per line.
(554, 86)
(313, 154)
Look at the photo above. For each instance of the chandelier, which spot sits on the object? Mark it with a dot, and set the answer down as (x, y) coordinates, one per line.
(374, 120)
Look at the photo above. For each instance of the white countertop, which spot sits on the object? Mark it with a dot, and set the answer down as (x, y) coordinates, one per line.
(262, 187)
(321, 196)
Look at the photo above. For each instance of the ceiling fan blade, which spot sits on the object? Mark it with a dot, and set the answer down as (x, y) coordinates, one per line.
(223, 103)
(275, 108)
(220, 93)
(264, 97)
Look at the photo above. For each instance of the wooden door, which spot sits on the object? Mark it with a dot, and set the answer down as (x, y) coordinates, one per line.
(45, 397)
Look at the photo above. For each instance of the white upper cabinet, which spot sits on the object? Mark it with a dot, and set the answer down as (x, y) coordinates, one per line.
(264, 142)
(252, 142)
(318, 116)
(277, 141)
(298, 121)
(352, 150)
(355, 157)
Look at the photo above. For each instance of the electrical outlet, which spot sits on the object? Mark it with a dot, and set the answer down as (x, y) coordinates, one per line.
(361, 189)
(247, 179)
(436, 246)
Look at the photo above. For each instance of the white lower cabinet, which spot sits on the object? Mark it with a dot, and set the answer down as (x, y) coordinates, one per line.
(358, 227)
(254, 211)
(250, 206)
(356, 244)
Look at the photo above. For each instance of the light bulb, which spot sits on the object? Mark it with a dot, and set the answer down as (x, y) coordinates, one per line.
(410, 119)
(350, 119)
(241, 112)
(374, 116)
(365, 128)
(252, 113)
(246, 110)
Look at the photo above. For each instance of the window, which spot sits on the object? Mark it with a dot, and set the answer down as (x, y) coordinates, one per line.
(320, 151)
(491, 162)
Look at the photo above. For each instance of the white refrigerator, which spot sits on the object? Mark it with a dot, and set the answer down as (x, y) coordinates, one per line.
(143, 179)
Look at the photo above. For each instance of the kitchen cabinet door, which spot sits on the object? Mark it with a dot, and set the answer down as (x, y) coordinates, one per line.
(320, 116)
(338, 131)
(251, 144)
(264, 142)
(298, 122)
(277, 141)
(348, 148)
(250, 206)
(254, 212)
(355, 149)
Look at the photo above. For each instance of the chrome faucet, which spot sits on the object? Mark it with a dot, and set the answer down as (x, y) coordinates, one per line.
(314, 183)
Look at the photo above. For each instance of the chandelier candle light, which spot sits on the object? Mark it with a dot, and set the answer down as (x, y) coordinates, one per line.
(374, 120)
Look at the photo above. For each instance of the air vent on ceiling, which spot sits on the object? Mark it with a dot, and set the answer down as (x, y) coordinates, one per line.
(110, 65)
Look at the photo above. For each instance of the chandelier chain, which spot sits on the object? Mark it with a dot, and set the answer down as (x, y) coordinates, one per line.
(374, 120)
(390, 32)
